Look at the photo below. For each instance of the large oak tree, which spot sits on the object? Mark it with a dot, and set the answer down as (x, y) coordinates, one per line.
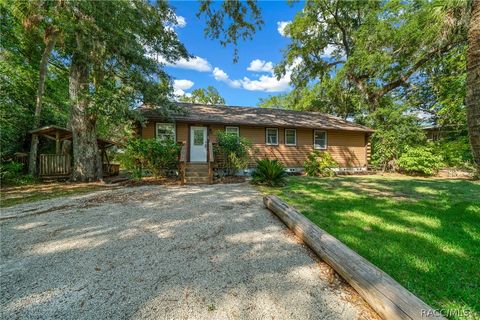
(113, 49)
(377, 55)
(473, 82)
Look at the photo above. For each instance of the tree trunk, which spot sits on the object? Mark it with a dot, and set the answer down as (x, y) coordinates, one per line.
(472, 99)
(47, 52)
(87, 164)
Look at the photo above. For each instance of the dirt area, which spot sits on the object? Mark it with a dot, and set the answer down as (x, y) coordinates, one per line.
(10, 196)
(163, 252)
(21, 191)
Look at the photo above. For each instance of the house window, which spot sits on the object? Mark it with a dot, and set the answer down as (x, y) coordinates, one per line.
(166, 131)
(271, 136)
(290, 137)
(320, 139)
(233, 130)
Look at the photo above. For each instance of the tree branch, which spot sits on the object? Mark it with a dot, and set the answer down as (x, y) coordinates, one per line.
(334, 63)
(402, 80)
(341, 27)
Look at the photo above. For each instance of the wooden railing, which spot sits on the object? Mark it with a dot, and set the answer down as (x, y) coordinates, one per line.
(211, 160)
(211, 157)
(54, 165)
(182, 162)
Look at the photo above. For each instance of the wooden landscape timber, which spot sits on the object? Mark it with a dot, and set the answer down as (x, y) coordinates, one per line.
(386, 296)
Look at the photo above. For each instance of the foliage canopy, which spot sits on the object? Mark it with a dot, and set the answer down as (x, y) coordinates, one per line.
(210, 95)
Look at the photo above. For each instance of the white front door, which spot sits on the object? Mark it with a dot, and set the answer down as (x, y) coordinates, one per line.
(198, 144)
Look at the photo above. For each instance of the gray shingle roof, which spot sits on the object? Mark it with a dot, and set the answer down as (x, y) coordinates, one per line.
(251, 116)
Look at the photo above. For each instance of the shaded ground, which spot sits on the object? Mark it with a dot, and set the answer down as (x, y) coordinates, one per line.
(425, 233)
(14, 195)
(11, 196)
(156, 252)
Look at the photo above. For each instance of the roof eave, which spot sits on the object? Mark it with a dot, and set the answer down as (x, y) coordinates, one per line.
(273, 125)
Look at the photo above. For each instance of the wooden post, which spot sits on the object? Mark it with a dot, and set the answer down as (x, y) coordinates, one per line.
(210, 162)
(57, 142)
(182, 162)
(386, 296)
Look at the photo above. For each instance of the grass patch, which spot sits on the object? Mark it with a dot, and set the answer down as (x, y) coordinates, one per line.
(35, 192)
(425, 233)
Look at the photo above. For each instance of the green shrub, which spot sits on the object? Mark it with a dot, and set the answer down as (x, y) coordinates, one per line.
(455, 153)
(320, 164)
(420, 160)
(11, 173)
(233, 150)
(158, 157)
(269, 172)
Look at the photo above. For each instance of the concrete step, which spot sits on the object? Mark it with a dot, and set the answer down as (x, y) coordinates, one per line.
(197, 166)
(196, 169)
(197, 180)
(195, 174)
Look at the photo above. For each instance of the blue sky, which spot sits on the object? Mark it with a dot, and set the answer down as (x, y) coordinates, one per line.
(250, 78)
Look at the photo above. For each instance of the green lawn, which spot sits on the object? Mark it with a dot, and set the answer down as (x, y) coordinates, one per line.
(425, 233)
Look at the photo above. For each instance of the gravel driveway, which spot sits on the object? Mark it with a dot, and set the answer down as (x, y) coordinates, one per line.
(155, 252)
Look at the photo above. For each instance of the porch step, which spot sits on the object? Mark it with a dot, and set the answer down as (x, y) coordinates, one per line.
(197, 180)
(196, 173)
(197, 166)
(196, 169)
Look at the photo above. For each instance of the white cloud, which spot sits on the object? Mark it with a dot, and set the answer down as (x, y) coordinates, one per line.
(281, 27)
(181, 21)
(195, 63)
(222, 76)
(219, 74)
(267, 83)
(183, 84)
(258, 65)
(180, 85)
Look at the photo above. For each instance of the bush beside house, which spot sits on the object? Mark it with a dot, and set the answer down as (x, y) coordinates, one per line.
(455, 153)
(160, 158)
(320, 164)
(232, 151)
(420, 160)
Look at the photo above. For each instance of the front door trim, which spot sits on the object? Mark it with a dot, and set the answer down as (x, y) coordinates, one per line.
(198, 152)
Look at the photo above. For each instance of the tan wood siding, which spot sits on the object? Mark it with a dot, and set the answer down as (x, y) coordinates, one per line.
(213, 128)
(148, 132)
(182, 132)
(348, 148)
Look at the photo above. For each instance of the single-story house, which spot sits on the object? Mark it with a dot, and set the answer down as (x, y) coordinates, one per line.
(286, 135)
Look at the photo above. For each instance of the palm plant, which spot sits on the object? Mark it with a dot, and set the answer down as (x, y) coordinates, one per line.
(269, 172)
